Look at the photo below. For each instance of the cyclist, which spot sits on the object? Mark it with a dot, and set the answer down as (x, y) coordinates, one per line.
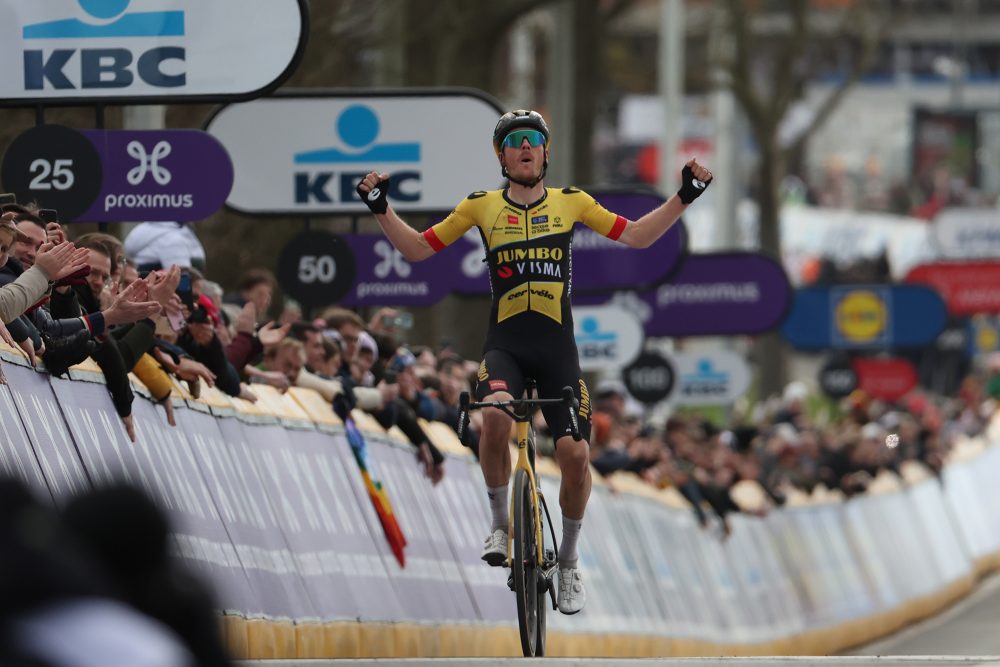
(526, 230)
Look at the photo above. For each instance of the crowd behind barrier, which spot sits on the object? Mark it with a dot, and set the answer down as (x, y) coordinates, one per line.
(145, 307)
(267, 504)
(236, 433)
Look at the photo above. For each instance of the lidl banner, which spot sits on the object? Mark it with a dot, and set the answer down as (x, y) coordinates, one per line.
(984, 335)
(865, 316)
(434, 143)
(712, 294)
(968, 288)
(147, 51)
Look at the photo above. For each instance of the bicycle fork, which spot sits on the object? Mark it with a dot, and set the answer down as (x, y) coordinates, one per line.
(545, 559)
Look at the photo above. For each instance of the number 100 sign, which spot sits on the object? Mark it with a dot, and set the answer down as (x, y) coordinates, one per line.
(55, 166)
(316, 268)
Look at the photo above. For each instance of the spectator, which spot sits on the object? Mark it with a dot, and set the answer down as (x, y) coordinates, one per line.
(287, 357)
(312, 341)
(333, 358)
(348, 326)
(56, 604)
(52, 263)
(454, 380)
(159, 245)
(201, 342)
(255, 286)
(130, 539)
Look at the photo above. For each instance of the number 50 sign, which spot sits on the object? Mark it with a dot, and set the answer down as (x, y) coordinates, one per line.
(316, 268)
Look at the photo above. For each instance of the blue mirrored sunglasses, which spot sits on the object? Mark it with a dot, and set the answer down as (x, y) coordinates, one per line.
(517, 137)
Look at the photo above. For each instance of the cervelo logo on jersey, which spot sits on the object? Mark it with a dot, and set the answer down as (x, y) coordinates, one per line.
(357, 128)
(542, 292)
(108, 64)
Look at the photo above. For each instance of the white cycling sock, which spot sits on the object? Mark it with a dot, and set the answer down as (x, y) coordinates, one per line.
(499, 506)
(567, 549)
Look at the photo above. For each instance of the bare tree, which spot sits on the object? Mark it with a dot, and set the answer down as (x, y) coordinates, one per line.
(774, 50)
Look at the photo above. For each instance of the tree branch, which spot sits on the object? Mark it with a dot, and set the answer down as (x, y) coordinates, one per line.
(616, 8)
(785, 78)
(740, 79)
(870, 39)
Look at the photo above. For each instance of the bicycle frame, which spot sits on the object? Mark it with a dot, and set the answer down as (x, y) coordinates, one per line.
(530, 613)
(520, 410)
(523, 463)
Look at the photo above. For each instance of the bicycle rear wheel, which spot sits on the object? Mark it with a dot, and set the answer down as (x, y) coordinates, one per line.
(530, 600)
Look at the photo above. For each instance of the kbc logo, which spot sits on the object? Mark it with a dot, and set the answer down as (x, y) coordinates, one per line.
(116, 63)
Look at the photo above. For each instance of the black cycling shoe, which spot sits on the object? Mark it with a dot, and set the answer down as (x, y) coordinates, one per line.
(61, 353)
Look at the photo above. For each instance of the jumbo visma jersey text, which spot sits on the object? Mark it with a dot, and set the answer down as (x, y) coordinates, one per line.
(528, 248)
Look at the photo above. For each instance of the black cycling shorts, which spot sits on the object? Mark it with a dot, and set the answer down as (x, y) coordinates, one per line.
(552, 369)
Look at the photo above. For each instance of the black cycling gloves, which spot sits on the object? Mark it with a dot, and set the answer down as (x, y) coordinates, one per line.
(375, 199)
(691, 187)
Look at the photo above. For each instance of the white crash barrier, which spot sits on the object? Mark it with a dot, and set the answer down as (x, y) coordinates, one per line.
(269, 505)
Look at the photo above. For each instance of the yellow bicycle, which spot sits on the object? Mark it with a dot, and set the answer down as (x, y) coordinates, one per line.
(532, 564)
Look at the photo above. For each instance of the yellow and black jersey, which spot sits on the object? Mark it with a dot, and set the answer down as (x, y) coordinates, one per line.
(528, 248)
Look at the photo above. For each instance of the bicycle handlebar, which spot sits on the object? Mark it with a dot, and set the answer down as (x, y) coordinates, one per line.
(568, 399)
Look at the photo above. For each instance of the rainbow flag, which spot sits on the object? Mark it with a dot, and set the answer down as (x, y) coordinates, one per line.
(376, 490)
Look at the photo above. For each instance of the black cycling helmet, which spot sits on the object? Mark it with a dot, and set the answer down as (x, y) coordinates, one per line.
(515, 119)
(521, 118)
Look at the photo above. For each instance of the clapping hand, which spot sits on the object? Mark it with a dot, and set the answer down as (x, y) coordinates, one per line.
(272, 334)
(60, 261)
(131, 305)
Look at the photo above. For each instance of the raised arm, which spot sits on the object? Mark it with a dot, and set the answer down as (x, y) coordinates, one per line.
(373, 190)
(643, 232)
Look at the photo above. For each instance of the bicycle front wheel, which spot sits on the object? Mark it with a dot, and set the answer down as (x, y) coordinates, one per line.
(530, 604)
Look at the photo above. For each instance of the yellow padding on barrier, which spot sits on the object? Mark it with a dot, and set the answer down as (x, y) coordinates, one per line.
(234, 636)
(88, 365)
(377, 640)
(258, 639)
(914, 472)
(216, 398)
(275, 403)
(318, 410)
(270, 640)
(545, 466)
(444, 438)
(750, 496)
(365, 422)
(340, 639)
(673, 498)
(884, 483)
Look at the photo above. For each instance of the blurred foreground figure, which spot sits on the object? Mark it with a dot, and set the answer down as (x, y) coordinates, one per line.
(56, 605)
(129, 537)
